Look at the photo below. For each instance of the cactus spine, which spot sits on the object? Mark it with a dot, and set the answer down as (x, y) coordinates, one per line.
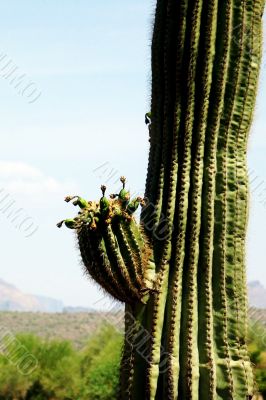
(181, 271)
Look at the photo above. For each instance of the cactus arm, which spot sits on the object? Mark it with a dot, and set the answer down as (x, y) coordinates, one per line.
(114, 251)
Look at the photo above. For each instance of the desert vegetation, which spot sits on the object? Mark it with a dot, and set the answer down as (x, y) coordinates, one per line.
(62, 372)
(67, 371)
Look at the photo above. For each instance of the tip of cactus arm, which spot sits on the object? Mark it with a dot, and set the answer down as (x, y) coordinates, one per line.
(108, 226)
(95, 214)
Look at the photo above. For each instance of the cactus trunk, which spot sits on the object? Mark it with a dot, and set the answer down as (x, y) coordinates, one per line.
(181, 272)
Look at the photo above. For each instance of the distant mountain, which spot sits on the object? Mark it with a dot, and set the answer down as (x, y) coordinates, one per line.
(12, 299)
(257, 294)
(50, 305)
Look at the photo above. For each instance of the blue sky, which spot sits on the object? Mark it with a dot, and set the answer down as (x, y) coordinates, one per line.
(89, 61)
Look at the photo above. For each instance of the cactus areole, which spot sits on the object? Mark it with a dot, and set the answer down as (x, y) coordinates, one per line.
(181, 270)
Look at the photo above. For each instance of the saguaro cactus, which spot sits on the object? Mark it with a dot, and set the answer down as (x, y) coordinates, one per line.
(181, 271)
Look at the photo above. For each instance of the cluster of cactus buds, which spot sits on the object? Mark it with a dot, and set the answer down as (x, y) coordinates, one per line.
(113, 248)
(93, 214)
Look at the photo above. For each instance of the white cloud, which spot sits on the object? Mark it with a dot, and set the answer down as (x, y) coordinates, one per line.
(18, 178)
(10, 170)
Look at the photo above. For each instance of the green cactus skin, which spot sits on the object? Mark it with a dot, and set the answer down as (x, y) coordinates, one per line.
(181, 271)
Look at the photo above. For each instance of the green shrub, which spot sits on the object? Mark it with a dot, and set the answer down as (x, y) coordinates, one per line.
(103, 373)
